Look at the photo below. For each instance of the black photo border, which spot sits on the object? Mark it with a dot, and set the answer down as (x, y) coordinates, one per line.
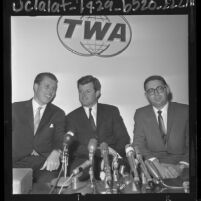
(7, 78)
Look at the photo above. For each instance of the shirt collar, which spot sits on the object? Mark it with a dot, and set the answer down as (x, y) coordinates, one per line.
(94, 109)
(164, 109)
(36, 105)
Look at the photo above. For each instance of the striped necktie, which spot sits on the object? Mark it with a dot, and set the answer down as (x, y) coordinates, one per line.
(37, 119)
(161, 126)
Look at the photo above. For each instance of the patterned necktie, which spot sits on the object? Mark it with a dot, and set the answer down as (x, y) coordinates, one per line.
(37, 119)
(91, 119)
(161, 126)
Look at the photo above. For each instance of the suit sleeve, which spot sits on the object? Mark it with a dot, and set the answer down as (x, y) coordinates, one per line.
(121, 134)
(14, 154)
(186, 155)
(139, 138)
(59, 129)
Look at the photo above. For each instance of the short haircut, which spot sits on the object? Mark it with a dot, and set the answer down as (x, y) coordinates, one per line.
(154, 77)
(41, 76)
(87, 79)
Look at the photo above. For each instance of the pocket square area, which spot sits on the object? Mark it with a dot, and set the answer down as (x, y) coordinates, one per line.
(51, 125)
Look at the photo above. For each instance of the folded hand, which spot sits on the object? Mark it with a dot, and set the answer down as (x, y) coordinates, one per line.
(52, 162)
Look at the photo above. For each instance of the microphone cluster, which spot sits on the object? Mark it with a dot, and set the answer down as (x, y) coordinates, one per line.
(107, 169)
(143, 173)
(140, 170)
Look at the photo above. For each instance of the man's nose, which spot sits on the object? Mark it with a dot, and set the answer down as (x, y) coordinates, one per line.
(51, 91)
(156, 91)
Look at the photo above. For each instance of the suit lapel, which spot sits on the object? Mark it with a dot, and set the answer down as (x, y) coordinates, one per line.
(83, 115)
(170, 118)
(152, 119)
(46, 117)
(100, 116)
(154, 124)
(29, 114)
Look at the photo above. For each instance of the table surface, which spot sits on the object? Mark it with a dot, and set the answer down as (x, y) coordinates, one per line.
(85, 188)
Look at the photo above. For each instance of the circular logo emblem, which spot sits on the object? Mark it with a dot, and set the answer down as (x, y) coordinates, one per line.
(103, 36)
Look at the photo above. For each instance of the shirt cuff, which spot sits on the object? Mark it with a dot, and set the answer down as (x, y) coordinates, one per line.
(59, 151)
(152, 159)
(184, 163)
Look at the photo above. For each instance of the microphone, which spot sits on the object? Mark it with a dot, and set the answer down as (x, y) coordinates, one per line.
(143, 167)
(81, 167)
(153, 171)
(92, 148)
(130, 152)
(68, 138)
(104, 153)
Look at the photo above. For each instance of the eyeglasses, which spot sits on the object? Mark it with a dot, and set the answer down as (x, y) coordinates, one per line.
(159, 89)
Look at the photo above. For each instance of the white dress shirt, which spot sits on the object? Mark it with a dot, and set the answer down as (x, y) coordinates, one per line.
(36, 106)
(163, 114)
(93, 112)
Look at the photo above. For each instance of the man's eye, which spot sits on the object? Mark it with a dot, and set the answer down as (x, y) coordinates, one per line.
(150, 90)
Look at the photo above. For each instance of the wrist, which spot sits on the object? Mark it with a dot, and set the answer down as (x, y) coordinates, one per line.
(182, 166)
(57, 151)
(155, 161)
(186, 165)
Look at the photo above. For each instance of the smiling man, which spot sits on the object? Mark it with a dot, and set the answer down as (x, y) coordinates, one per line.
(38, 128)
(161, 129)
(102, 122)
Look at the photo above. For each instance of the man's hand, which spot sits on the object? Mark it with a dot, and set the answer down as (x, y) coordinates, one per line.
(34, 153)
(167, 171)
(175, 170)
(52, 162)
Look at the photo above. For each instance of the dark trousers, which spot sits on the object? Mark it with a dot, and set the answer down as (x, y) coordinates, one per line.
(36, 162)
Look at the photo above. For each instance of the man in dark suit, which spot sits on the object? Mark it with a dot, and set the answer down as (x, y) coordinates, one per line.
(107, 125)
(161, 129)
(38, 127)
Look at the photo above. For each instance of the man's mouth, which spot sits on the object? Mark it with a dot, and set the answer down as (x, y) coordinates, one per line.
(158, 98)
(48, 96)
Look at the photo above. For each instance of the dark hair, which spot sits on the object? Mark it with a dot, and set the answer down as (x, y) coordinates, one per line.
(87, 79)
(154, 77)
(41, 76)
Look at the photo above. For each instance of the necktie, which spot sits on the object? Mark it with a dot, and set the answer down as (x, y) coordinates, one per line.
(37, 119)
(91, 119)
(161, 126)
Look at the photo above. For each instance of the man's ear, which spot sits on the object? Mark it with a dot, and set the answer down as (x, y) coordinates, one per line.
(98, 94)
(35, 87)
(146, 96)
(167, 89)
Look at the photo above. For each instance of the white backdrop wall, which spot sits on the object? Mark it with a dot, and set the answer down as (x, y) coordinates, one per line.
(159, 46)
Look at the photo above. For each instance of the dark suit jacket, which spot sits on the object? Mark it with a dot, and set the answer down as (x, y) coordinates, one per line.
(148, 138)
(49, 135)
(110, 129)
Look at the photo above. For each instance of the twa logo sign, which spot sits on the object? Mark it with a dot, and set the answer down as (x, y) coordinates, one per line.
(103, 36)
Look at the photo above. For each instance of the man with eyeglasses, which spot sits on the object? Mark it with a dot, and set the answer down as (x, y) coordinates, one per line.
(161, 130)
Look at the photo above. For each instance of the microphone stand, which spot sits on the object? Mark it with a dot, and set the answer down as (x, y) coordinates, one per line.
(108, 179)
(135, 179)
(62, 180)
(92, 180)
(65, 161)
(116, 184)
(91, 174)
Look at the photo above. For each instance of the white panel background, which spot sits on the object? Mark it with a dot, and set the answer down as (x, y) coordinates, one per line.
(159, 46)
